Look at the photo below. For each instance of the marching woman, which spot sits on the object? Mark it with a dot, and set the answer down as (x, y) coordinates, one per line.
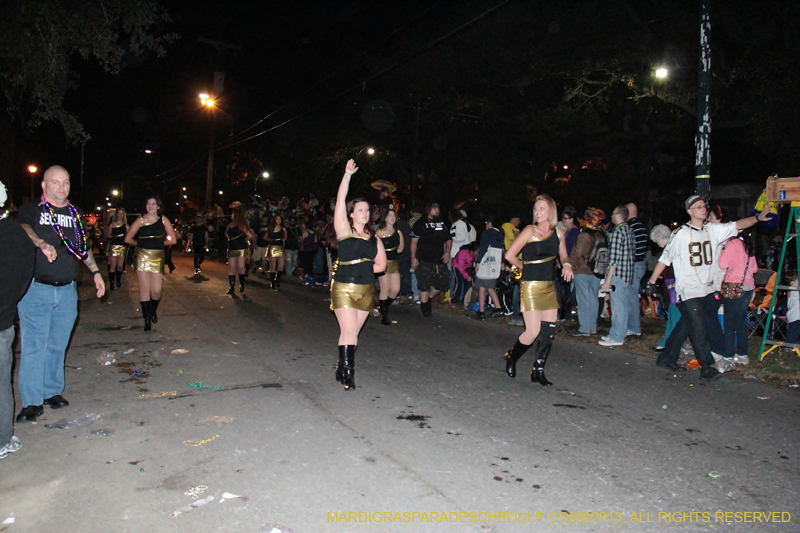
(115, 232)
(361, 255)
(540, 244)
(390, 282)
(276, 253)
(238, 233)
(150, 233)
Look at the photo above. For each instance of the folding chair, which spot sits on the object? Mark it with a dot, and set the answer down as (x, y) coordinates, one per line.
(762, 298)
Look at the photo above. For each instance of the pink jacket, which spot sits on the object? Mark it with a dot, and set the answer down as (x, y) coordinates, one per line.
(734, 258)
(462, 261)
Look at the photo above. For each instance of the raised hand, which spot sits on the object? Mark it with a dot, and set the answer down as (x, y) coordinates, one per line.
(351, 167)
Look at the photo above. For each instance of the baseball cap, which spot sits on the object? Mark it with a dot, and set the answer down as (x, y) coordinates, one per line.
(693, 199)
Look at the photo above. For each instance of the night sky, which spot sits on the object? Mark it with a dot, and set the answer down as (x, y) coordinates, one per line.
(489, 79)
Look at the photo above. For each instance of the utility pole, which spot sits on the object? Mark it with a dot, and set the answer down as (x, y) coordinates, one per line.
(414, 161)
(702, 178)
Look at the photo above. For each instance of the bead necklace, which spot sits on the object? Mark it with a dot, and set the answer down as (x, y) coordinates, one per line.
(82, 252)
(5, 213)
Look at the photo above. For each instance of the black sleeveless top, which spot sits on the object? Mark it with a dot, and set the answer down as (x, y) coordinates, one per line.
(236, 238)
(151, 236)
(356, 259)
(118, 235)
(390, 244)
(539, 258)
(276, 237)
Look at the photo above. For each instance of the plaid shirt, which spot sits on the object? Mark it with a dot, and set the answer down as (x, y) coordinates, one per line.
(621, 250)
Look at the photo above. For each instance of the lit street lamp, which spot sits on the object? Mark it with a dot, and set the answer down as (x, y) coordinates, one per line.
(661, 72)
(209, 103)
(32, 169)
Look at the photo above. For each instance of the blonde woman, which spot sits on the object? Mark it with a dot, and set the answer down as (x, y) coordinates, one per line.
(393, 245)
(361, 255)
(115, 233)
(150, 233)
(540, 243)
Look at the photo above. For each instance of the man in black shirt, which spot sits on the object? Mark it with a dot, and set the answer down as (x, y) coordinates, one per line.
(430, 253)
(199, 242)
(262, 244)
(16, 269)
(47, 312)
(641, 239)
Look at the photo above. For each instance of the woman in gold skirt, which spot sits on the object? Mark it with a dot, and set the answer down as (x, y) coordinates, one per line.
(540, 243)
(115, 232)
(276, 253)
(361, 255)
(238, 233)
(150, 233)
(390, 282)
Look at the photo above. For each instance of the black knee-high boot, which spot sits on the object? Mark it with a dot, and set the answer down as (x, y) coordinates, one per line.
(232, 283)
(513, 355)
(146, 314)
(348, 367)
(546, 336)
(241, 282)
(119, 278)
(153, 309)
(382, 312)
(111, 275)
(340, 365)
(386, 311)
(278, 279)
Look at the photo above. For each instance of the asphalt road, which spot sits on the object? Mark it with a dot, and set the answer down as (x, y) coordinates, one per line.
(435, 438)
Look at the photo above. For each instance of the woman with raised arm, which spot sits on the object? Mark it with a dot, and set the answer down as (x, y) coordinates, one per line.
(150, 233)
(238, 233)
(115, 232)
(361, 255)
(540, 243)
(276, 235)
(390, 282)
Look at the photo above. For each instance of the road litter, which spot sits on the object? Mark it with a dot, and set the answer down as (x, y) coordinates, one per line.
(102, 432)
(200, 385)
(275, 529)
(138, 373)
(228, 496)
(216, 420)
(129, 350)
(7, 522)
(106, 358)
(234, 342)
(763, 397)
(714, 474)
(158, 394)
(85, 420)
(178, 351)
(195, 492)
(192, 506)
(195, 443)
(664, 406)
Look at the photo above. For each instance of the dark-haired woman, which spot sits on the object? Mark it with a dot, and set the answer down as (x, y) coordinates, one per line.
(150, 233)
(361, 255)
(276, 252)
(393, 244)
(741, 266)
(115, 232)
(238, 233)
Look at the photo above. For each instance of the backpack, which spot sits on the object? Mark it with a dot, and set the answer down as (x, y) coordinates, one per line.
(598, 259)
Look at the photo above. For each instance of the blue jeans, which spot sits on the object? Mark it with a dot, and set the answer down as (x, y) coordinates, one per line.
(46, 317)
(620, 309)
(515, 304)
(290, 263)
(735, 325)
(693, 324)
(6, 391)
(634, 318)
(414, 288)
(673, 315)
(587, 286)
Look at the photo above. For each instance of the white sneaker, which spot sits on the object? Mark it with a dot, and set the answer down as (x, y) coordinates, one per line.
(610, 342)
(741, 359)
(605, 338)
(632, 334)
(12, 446)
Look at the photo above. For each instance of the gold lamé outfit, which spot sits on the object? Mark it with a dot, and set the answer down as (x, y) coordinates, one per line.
(149, 261)
(353, 285)
(237, 242)
(537, 288)
(118, 250)
(390, 245)
(150, 247)
(276, 250)
(392, 267)
(118, 247)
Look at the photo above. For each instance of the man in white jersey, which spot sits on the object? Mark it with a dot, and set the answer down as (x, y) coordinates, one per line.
(691, 252)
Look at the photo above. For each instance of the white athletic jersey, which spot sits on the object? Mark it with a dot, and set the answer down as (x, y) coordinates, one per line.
(691, 252)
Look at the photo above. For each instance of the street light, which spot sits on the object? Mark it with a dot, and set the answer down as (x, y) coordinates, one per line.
(32, 169)
(208, 102)
(114, 192)
(265, 174)
(371, 151)
(661, 72)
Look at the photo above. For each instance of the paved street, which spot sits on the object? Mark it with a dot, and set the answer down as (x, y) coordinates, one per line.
(435, 426)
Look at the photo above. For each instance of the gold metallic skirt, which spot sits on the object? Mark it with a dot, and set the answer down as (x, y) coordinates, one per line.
(118, 250)
(352, 296)
(392, 267)
(237, 253)
(149, 261)
(276, 251)
(537, 296)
